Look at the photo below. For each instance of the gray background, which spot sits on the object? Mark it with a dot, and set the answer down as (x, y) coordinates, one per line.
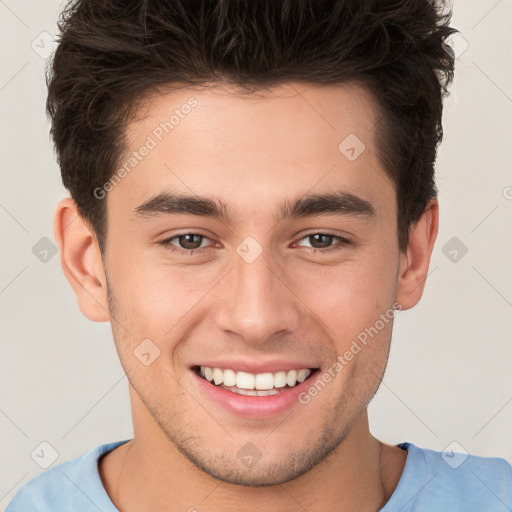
(449, 377)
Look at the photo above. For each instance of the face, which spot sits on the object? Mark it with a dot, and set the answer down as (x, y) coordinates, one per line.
(289, 262)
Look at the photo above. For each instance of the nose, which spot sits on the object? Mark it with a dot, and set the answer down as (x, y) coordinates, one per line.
(257, 302)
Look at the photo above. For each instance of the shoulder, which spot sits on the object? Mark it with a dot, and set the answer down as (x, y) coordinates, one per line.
(71, 485)
(453, 480)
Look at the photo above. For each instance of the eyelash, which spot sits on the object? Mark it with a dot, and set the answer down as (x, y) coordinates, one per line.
(342, 242)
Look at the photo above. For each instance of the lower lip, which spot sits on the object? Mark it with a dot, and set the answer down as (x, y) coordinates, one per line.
(258, 407)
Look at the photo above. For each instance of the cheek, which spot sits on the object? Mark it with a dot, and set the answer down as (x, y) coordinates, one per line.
(151, 293)
(160, 303)
(166, 294)
(350, 296)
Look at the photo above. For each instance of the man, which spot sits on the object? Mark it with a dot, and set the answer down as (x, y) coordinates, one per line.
(252, 199)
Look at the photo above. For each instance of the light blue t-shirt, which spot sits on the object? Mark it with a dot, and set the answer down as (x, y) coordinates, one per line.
(431, 482)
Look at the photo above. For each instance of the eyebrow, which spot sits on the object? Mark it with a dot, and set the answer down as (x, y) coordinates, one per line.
(337, 203)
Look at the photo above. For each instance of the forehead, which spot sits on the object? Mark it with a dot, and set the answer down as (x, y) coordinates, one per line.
(249, 149)
(290, 113)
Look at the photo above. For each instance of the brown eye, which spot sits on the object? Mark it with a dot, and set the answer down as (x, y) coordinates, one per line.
(186, 243)
(190, 241)
(320, 240)
(324, 242)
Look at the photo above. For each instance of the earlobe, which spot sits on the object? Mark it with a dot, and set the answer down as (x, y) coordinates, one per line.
(414, 262)
(81, 261)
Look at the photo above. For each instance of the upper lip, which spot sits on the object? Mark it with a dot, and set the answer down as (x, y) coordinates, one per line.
(255, 367)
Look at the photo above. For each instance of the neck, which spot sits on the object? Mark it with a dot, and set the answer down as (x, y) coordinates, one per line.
(149, 473)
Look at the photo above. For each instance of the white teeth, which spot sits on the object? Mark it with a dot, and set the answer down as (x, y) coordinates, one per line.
(217, 376)
(250, 392)
(208, 374)
(301, 375)
(279, 379)
(261, 384)
(291, 378)
(268, 392)
(229, 378)
(264, 381)
(245, 380)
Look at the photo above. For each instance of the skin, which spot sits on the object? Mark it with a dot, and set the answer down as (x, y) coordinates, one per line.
(251, 152)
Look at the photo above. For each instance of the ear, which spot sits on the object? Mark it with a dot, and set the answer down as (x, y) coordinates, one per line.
(81, 262)
(414, 262)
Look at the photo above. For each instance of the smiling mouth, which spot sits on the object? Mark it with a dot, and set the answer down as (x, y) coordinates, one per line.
(249, 384)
